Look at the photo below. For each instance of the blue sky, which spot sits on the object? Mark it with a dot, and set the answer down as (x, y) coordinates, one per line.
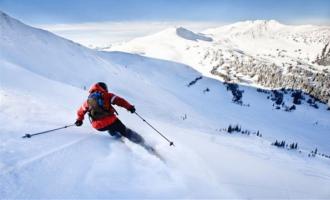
(102, 22)
(77, 11)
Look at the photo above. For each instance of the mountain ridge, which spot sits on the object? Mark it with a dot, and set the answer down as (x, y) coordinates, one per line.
(253, 50)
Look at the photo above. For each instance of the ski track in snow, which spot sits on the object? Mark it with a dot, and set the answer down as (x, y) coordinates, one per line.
(41, 156)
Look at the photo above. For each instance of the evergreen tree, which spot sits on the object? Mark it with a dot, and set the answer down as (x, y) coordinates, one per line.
(229, 129)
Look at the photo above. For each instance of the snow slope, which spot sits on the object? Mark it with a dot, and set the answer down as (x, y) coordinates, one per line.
(42, 79)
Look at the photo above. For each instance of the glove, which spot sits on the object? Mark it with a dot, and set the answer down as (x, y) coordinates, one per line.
(132, 109)
(78, 122)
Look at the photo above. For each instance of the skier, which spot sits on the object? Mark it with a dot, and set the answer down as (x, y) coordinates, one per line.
(102, 114)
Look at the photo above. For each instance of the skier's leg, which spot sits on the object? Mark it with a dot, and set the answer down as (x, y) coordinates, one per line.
(126, 132)
(114, 130)
(134, 137)
(118, 127)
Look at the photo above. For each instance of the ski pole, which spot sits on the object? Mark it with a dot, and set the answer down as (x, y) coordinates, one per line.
(43, 132)
(171, 143)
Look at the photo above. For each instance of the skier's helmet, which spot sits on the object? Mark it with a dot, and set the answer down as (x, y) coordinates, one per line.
(103, 85)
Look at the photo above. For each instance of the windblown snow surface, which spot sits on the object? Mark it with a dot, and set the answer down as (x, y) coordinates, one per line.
(42, 80)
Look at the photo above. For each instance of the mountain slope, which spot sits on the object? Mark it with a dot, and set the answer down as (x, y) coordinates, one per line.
(22, 43)
(258, 53)
(206, 162)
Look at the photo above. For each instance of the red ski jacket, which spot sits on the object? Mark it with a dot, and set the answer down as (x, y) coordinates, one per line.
(109, 99)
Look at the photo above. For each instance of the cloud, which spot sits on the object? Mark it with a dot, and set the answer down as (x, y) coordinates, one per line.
(311, 21)
(100, 34)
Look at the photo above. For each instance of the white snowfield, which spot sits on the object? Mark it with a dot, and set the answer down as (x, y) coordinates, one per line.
(42, 77)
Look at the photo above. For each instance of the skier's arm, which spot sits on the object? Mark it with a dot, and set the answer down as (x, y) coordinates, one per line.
(116, 100)
(82, 111)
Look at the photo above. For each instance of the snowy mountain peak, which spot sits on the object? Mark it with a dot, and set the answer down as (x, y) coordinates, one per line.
(256, 23)
(271, 22)
(8, 21)
(249, 28)
(269, 28)
(11, 27)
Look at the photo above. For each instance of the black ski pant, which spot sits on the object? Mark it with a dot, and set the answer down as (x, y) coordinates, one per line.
(119, 127)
